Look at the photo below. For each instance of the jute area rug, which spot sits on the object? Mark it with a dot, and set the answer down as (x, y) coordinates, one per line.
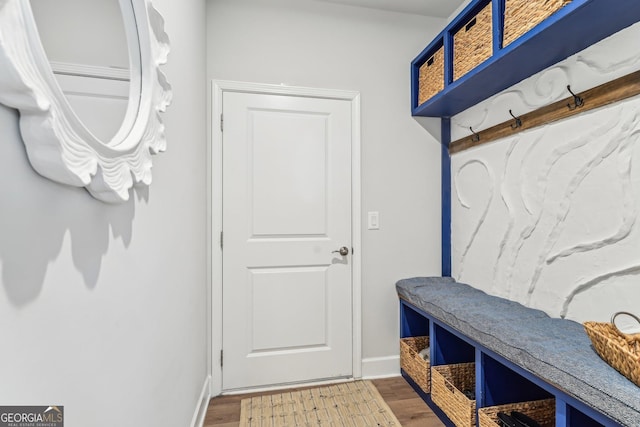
(354, 404)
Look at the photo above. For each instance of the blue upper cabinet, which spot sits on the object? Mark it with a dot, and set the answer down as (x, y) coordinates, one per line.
(447, 88)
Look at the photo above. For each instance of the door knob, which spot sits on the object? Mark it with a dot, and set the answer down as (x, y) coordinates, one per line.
(344, 251)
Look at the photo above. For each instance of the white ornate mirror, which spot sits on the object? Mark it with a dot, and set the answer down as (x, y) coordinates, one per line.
(65, 142)
(90, 55)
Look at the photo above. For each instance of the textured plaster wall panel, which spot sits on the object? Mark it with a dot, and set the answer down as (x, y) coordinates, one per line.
(548, 217)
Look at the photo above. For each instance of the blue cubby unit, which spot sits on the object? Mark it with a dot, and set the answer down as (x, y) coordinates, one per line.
(502, 385)
(413, 324)
(450, 348)
(571, 29)
(498, 380)
(576, 418)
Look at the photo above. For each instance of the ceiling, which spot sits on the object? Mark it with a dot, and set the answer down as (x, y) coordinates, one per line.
(437, 8)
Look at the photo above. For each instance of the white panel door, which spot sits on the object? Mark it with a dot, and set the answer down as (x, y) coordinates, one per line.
(287, 311)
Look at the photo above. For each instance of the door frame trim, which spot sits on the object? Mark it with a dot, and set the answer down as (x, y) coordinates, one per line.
(214, 214)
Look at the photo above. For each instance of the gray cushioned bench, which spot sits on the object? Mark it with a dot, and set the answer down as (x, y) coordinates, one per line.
(555, 350)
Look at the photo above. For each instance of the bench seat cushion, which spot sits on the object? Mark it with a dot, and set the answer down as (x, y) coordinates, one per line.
(557, 351)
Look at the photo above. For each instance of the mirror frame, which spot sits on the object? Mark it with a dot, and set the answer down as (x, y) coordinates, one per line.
(58, 145)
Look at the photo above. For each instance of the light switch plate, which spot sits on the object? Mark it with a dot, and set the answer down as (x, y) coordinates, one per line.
(373, 222)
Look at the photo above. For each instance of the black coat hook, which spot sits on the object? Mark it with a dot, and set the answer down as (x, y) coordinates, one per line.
(475, 137)
(518, 122)
(577, 101)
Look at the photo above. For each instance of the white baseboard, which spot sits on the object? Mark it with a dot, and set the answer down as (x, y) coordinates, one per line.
(203, 403)
(380, 367)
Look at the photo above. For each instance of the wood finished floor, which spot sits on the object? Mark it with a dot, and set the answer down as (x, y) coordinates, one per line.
(408, 407)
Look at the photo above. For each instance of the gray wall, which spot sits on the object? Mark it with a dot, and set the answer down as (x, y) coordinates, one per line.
(323, 45)
(103, 308)
(92, 34)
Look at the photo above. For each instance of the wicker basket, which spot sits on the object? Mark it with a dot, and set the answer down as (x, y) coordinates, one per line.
(431, 76)
(447, 385)
(473, 43)
(522, 15)
(413, 364)
(543, 411)
(619, 350)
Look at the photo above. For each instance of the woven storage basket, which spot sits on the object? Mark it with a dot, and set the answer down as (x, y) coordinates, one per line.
(447, 385)
(542, 411)
(431, 76)
(522, 15)
(413, 364)
(619, 350)
(473, 43)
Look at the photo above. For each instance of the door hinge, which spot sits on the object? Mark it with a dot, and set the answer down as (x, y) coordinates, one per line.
(221, 123)
(221, 240)
(221, 357)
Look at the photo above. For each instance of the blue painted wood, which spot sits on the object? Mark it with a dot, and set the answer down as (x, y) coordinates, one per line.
(432, 348)
(445, 164)
(573, 28)
(450, 346)
(416, 309)
(412, 323)
(503, 385)
(440, 325)
(405, 321)
(451, 349)
(576, 418)
(480, 380)
(547, 387)
(497, 13)
(447, 39)
(427, 399)
(415, 75)
(561, 413)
